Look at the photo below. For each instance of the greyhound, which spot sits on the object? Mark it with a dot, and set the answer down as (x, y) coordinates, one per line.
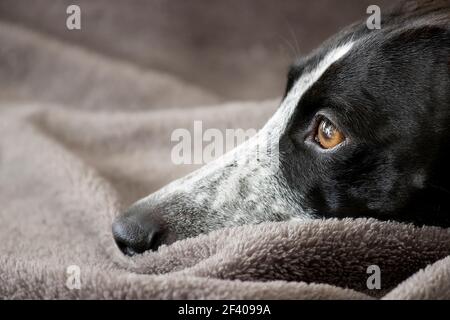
(362, 131)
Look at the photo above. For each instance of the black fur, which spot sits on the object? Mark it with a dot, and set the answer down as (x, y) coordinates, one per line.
(391, 97)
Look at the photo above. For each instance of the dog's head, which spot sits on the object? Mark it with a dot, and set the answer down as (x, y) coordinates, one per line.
(363, 130)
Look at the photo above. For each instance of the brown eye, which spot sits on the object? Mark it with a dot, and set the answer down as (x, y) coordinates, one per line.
(328, 136)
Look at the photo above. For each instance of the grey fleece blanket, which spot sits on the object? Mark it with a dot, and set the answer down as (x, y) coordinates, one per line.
(69, 165)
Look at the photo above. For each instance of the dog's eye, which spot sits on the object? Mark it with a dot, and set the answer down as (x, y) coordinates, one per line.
(328, 136)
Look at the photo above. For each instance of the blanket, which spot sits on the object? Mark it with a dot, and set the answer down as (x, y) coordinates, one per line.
(72, 158)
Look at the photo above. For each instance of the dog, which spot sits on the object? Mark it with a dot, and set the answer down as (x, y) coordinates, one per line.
(363, 130)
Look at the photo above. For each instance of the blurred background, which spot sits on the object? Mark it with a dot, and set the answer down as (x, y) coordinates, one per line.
(220, 50)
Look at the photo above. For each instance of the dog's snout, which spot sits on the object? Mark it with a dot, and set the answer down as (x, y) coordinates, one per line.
(134, 236)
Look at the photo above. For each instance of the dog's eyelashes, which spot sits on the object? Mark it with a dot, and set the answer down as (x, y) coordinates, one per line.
(327, 135)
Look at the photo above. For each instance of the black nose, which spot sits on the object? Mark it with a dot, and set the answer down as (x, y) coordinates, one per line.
(134, 236)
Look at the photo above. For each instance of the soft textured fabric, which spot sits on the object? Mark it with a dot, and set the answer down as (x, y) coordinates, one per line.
(71, 158)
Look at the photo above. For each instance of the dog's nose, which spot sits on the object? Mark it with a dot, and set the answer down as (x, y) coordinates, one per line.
(135, 236)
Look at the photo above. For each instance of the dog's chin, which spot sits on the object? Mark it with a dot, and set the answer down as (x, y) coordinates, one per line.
(162, 219)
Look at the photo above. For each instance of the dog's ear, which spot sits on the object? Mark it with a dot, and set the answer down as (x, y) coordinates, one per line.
(432, 34)
(419, 7)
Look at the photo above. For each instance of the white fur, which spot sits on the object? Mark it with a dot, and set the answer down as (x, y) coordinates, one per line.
(261, 181)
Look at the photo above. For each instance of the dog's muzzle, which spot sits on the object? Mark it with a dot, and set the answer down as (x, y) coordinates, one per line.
(137, 231)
